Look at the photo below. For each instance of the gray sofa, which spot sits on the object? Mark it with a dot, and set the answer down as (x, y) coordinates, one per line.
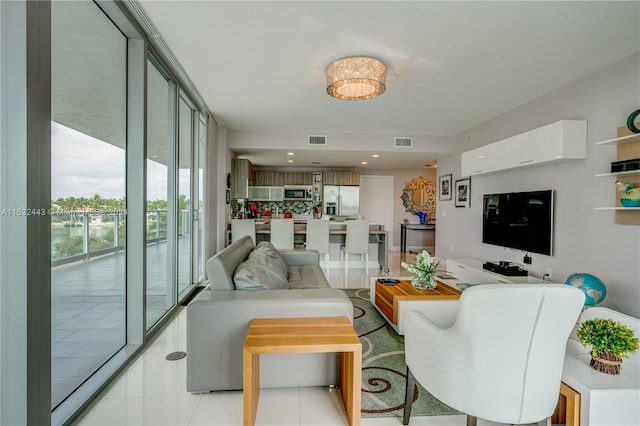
(218, 319)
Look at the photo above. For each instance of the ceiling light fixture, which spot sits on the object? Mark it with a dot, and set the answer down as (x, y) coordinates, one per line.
(291, 153)
(364, 163)
(289, 161)
(375, 155)
(356, 78)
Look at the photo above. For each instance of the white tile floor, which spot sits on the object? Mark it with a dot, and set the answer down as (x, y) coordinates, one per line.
(152, 390)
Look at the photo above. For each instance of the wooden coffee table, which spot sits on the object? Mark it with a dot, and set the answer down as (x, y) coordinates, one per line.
(393, 301)
(303, 335)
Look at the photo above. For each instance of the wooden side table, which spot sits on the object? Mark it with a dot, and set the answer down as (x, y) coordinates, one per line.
(303, 335)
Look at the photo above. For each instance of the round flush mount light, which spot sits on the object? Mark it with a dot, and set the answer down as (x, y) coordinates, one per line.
(291, 153)
(356, 78)
(375, 155)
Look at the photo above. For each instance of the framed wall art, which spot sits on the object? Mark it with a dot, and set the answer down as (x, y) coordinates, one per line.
(463, 192)
(444, 188)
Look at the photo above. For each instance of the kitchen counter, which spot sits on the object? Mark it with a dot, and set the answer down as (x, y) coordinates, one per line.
(337, 233)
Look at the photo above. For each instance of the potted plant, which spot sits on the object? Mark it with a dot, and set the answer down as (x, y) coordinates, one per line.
(610, 342)
(424, 268)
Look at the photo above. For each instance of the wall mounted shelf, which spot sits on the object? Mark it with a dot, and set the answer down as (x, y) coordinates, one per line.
(628, 147)
(621, 139)
(618, 208)
(630, 172)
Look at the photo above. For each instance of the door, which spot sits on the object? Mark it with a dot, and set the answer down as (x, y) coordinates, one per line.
(376, 201)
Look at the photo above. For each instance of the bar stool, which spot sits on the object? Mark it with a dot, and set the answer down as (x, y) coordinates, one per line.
(242, 227)
(318, 238)
(282, 233)
(356, 242)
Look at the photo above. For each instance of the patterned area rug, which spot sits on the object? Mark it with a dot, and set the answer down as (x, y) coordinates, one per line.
(383, 367)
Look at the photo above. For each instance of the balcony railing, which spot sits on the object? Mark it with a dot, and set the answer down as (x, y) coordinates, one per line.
(81, 235)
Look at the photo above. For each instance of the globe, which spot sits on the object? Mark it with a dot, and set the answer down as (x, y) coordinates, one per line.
(593, 288)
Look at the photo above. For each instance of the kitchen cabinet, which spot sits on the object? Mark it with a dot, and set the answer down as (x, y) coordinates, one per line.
(266, 193)
(628, 148)
(560, 141)
(341, 178)
(241, 178)
(275, 178)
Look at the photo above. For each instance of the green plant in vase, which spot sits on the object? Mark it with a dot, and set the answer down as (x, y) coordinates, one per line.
(424, 268)
(610, 342)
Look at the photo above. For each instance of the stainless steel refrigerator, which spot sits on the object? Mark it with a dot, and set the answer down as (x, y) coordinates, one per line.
(346, 197)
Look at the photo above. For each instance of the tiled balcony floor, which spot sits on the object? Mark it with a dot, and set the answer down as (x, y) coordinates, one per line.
(88, 313)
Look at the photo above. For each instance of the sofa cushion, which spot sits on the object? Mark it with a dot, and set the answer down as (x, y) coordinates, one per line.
(307, 276)
(254, 275)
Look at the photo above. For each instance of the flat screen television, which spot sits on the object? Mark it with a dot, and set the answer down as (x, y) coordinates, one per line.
(519, 220)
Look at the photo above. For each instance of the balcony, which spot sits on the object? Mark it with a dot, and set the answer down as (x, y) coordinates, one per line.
(88, 300)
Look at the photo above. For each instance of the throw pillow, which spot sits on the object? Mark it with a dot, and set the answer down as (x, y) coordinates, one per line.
(274, 255)
(265, 258)
(251, 275)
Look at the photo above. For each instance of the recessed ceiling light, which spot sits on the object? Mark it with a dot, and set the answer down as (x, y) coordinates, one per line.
(291, 153)
(289, 161)
(364, 162)
(375, 155)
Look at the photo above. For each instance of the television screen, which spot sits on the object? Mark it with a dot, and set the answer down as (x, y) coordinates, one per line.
(519, 220)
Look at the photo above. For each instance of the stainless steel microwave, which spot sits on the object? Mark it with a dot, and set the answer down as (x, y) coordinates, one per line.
(298, 193)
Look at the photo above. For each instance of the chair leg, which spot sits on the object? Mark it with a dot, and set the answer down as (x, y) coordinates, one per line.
(408, 397)
(545, 422)
(472, 420)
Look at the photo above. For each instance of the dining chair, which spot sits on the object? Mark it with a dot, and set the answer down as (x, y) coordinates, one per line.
(356, 242)
(242, 227)
(282, 233)
(318, 238)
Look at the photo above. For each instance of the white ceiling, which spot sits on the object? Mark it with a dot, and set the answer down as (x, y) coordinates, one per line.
(260, 66)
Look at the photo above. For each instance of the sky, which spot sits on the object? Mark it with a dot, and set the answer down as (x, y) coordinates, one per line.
(82, 166)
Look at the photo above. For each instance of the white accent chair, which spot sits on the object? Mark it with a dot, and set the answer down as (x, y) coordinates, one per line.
(318, 238)
(356, 242)
(282, 234)
(242, 227)
(501, 359)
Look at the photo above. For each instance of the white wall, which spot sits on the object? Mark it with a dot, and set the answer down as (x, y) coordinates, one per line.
(585, 240)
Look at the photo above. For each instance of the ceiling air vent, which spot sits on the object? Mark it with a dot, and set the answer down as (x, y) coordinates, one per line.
(403, 142)
(317, 140)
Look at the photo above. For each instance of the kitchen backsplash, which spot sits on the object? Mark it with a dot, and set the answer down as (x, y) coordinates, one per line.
(293, 207)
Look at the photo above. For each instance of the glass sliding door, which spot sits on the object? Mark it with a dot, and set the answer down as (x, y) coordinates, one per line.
(198, 258)
(161, 97)
(186, 121)
(88, 191)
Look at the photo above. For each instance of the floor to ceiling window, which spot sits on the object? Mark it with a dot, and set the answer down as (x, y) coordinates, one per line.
(126, 246)
(88, 191)
(161, 95)
(186, 132)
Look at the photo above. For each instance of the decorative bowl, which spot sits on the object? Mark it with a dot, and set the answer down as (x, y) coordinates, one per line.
(628, 202)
